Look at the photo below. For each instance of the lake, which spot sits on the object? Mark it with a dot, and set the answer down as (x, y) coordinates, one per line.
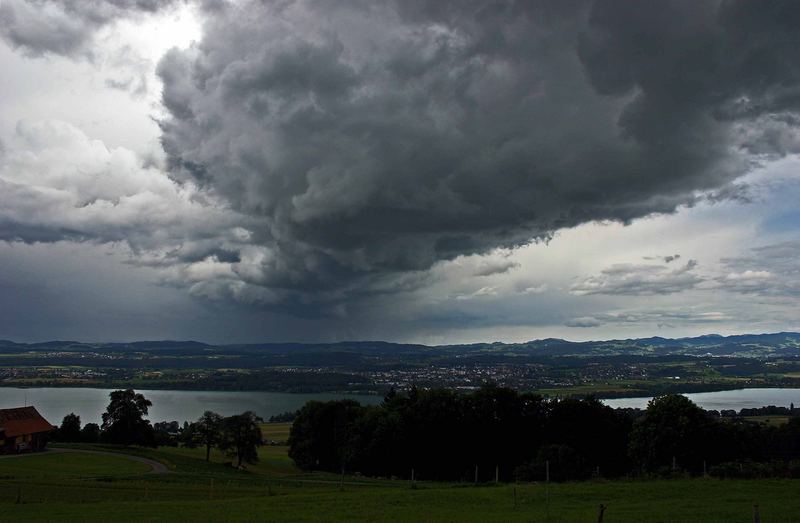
(187, 405)
(168, 405)
(726, 399)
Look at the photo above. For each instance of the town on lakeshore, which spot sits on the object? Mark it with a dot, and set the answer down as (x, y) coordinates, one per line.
(607, 369)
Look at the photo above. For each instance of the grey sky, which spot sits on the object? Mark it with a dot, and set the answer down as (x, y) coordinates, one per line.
(436, 172)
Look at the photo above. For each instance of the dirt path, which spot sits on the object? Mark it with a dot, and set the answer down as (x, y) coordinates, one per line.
(156, 467)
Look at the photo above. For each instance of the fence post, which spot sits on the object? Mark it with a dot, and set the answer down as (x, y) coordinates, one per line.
(19, 491)
(600, 512)
(515, 497)
(547, 488)
(497, 473)
(476, 474)
(756, 514)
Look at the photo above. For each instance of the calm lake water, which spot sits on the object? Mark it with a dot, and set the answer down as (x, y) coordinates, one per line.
(168, 405)
(726, 399)
(183, 405)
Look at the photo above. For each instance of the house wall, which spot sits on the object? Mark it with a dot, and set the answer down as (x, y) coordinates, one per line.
(23, 443)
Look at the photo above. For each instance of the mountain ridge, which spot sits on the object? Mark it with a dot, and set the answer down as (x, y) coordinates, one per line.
(758, 345)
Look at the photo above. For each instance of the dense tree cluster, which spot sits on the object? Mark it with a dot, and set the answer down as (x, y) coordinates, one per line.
(493, 432)
(445, 435)
(123, 423)
(442, 434)
(238, 436)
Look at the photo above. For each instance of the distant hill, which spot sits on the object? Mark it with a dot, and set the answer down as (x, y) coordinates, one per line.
(781, 344)
(614, 368)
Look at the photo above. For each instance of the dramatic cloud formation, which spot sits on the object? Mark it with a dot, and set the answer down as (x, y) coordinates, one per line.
(58, 184)
(403, 166)
(380, 138)
(65, 27)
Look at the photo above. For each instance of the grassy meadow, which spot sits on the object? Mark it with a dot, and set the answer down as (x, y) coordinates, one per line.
(69, 466)
(72, 487)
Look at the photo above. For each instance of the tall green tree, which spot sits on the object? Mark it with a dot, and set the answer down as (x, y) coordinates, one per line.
(241, 436)
(207, 430)
(673, 429)
(123, 421)
(70, 429)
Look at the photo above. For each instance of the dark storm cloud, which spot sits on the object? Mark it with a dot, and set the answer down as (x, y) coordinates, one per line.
(65, 27)
(382, 137)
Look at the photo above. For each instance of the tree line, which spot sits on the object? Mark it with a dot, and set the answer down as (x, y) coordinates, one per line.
(496, 432)
(124, 423)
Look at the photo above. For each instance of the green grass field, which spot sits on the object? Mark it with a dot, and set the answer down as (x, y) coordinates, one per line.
(68, 487)
(276, 431)
(652, 501)
(58, 465)
(774, 421)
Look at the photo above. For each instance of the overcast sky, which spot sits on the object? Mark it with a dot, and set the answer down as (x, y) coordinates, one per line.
(436, 172)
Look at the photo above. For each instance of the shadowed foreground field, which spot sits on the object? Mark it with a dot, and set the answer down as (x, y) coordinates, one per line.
(71, 487)
(656, 501)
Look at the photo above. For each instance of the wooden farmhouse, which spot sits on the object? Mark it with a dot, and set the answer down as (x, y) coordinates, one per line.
(23, 429)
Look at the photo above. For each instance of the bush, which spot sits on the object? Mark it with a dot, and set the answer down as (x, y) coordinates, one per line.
(90, 433)
(564, 462)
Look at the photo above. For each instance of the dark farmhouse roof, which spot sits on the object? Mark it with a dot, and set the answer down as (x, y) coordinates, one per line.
(21, 421)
